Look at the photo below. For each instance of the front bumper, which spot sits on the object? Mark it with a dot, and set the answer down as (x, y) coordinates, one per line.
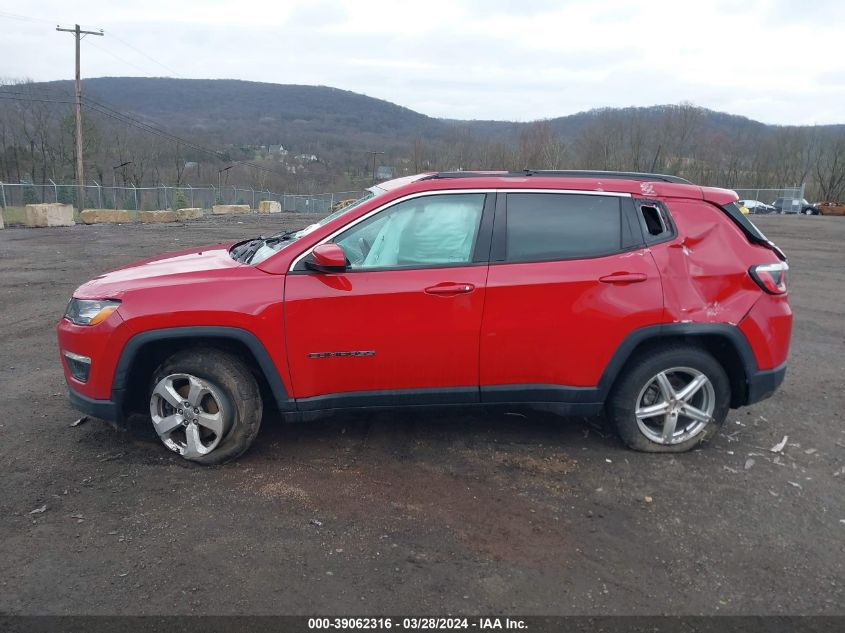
(764, 383)
(107, 410)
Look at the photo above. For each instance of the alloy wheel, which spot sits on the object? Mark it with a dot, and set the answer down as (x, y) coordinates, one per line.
(191, 415)
(675, 405)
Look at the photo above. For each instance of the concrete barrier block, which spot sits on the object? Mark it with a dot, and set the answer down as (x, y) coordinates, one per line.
(105, 216)
(229, 209)
(164, 215)
(49, 214)
(269, 206)
(192, 213)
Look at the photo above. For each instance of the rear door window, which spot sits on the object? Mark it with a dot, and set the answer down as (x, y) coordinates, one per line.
(553, 226)
(656, 225)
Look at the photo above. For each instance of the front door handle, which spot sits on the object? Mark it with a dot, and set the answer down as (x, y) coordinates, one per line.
(623, 278)
(449, 289)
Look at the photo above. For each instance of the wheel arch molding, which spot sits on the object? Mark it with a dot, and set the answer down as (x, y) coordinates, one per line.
(725, 342)
(132, 356)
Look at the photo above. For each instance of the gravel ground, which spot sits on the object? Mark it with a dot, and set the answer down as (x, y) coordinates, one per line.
(414, 512)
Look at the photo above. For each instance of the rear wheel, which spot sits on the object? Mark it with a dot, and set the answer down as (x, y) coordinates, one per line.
(205, 405)
(670, 400)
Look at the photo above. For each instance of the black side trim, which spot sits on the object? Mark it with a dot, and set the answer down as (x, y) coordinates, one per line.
(499, 247)
(268, 368)
(481, 252)
(540, 393)
(103, 409)
(764, 383)
(390, 398)
(632, 235)
(729, 332)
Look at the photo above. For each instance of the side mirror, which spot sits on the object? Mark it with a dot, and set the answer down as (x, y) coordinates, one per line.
(327, 258)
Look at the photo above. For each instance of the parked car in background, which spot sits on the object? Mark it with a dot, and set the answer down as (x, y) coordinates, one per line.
(755, 206)
(795, 205)
(831, 208)
(577, 292)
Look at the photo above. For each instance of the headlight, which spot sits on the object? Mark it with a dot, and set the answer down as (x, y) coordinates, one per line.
(90, 311)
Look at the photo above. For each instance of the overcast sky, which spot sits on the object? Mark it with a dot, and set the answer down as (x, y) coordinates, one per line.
(777, 61)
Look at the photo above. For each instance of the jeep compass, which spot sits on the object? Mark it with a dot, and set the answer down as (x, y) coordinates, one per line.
(641, 296)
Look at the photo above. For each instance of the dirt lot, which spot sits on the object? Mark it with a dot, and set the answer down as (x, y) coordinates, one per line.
(424, 512)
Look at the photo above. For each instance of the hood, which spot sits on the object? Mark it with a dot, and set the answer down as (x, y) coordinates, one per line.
(188, 266)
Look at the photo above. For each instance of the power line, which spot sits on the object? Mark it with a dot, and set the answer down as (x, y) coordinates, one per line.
(140, 52)
(23, 18)
(146, 128)
(107, 111)
(117, 57)
(14, 98)
(27, 18)
(121, 117)
(128, 120)
(110, 112)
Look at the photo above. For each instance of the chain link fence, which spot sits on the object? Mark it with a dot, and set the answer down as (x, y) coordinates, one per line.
(166, 196)
(788, 199)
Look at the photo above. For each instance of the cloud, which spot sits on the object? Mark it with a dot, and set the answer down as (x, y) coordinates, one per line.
(771, 60)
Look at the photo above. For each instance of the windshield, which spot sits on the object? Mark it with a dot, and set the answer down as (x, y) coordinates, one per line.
(370, 193)
(258, 249)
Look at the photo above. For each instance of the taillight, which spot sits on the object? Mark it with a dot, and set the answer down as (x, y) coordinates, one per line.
(770, 277)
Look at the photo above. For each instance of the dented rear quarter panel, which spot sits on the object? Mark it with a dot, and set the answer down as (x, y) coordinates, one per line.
(705, 269)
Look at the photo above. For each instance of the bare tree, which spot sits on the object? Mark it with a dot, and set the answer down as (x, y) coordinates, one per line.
(830, 170)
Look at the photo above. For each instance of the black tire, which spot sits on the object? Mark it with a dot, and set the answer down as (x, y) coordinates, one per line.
(622, 403)
(234, 380)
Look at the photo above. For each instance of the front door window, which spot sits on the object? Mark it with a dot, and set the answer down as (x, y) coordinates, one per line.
(422, 232)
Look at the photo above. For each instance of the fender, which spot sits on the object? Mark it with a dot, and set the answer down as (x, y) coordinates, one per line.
(730, 333)
(265, 364)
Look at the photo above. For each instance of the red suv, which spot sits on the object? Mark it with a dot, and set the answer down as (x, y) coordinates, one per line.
(644, 296)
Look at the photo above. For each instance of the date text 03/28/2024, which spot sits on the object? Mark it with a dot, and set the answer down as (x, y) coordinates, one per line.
(430, 623)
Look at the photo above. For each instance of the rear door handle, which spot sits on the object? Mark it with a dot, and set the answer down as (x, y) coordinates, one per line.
(623, 278)
(449, 289)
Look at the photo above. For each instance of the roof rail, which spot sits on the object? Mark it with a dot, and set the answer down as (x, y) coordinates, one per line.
(565, 173)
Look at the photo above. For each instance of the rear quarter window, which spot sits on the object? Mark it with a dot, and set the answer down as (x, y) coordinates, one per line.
(544, 227)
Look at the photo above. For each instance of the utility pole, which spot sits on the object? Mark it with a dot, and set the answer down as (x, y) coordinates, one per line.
(374, 164)
(80, 181)
(114, 181)
(220, 173)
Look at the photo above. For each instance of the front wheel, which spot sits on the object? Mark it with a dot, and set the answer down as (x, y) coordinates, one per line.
(205, 405)
(671, 400)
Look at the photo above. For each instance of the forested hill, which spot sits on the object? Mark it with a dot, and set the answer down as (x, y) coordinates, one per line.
(330, 136)
(242, 112)
(264, 113)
